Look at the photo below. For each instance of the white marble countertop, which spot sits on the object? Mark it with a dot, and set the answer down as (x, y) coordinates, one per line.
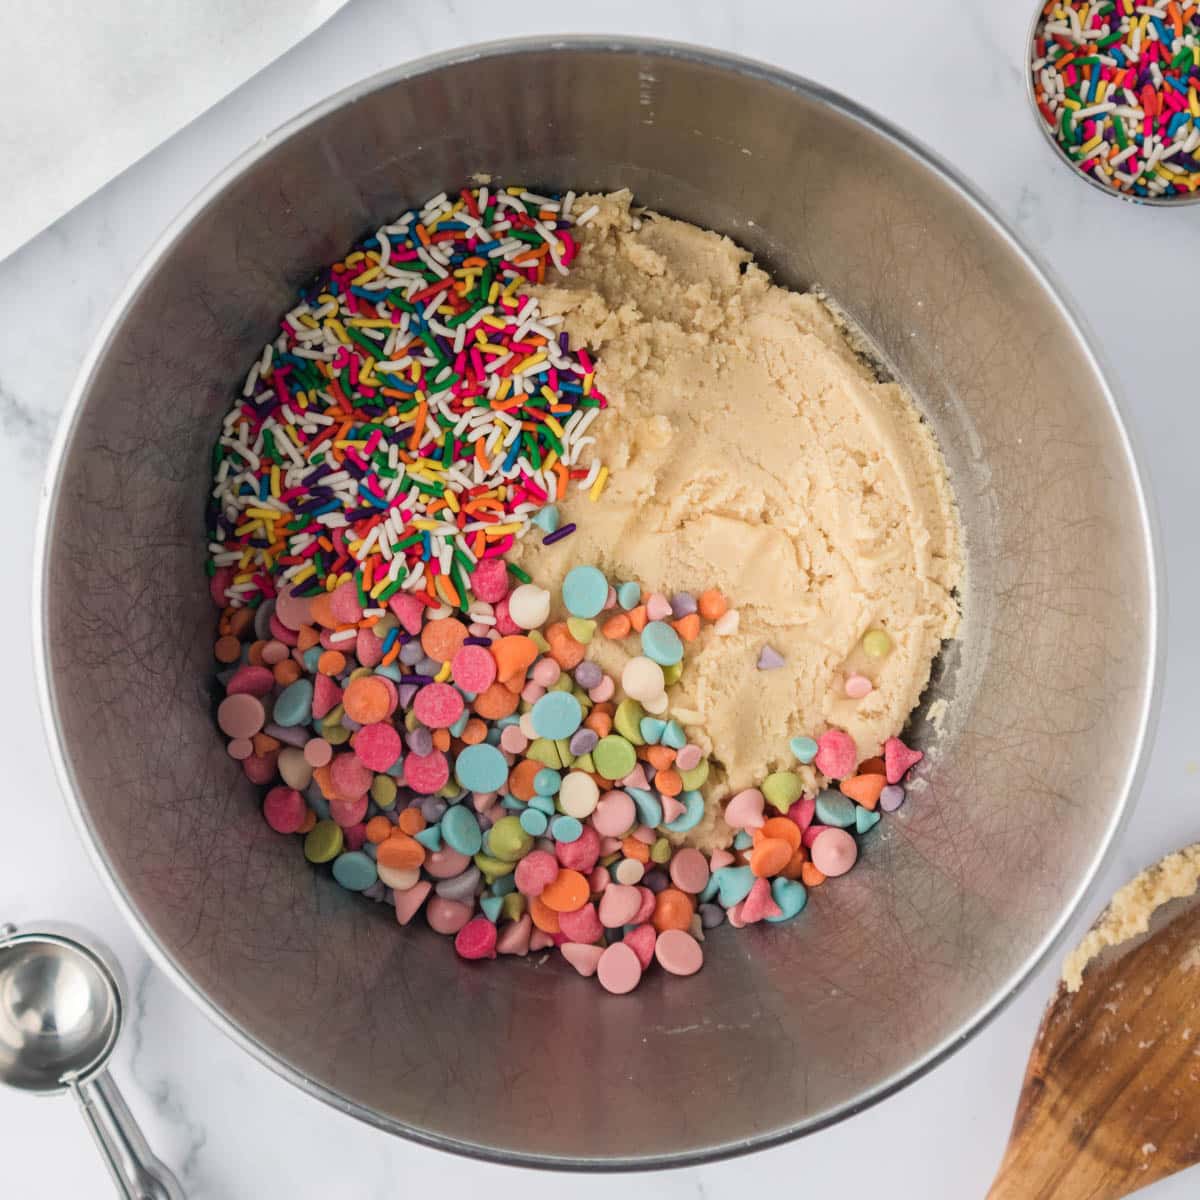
(950, 72)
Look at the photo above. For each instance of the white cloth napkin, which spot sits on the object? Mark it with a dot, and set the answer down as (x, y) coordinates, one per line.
(89, 86)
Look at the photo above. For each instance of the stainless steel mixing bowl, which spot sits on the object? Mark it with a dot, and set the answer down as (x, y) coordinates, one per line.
(1050, 691)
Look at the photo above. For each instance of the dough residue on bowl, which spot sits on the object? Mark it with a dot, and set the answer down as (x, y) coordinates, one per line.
(753, 450)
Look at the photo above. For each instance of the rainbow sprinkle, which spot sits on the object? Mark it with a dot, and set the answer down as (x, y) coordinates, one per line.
(1117, 85)
(413, 414)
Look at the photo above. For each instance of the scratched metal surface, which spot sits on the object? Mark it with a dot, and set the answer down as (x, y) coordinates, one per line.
(955, 898)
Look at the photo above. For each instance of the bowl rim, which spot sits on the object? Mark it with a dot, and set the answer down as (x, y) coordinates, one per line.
(161, 955)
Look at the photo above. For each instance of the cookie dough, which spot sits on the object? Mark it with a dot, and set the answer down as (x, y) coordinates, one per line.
(751, 449)
(1129, 911)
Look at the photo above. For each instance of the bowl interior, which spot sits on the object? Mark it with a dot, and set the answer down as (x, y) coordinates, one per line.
(1048, 690)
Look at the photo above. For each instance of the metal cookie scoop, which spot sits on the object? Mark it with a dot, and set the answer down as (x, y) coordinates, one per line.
(61, 1006)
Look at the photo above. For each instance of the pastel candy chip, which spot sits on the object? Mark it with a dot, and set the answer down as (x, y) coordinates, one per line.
(427, 773)
(745, 810)
(489, 580)
(529, 606)
(481, 768)
(473, 669)
(618, 969)
(294, 704)
(614, 756)
(837, 755)
(678, 952)
(898, 758)
(891, 797)
(835, 809)
(284, 809)
(619, 904)
(834, 852)
(781, 789)
(556, 715)
(377, 746)
(642, 678)
(790, 895)
(241, 715)
(461, 831)
(629, 595)
(582, 957)
(476, 939)
(438, 705)
(661, 644)
(585, 591)
(804, 748)
(614, 814)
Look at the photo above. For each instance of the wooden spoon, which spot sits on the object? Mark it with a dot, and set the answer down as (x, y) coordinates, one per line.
(1111, 1097)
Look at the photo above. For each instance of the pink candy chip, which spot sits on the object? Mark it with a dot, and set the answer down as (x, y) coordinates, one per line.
(368, 648)
(803, 811)
(408, 902)
(658, 607)
(689, 870)
(619, 905)
(260, 768)
(618, 969)
(745, 810)
(581, 854)
(446, 863)
(438, 705)
(582, 925)
(317, 752)
(834, 852)
(583, 958)
(281, 632)
(326, 696)
(535, 872)
(837, 755)
(476, 939)
(898, 758)
(292, 611)
(604, 690)
(345, 605)
(349, 775)
(284, 809)
(447, 916)
(641, 940)
(647, 909)
(347, 811)
(473, 669)
(672, 808)
(240, 749)
(614, 814)
(257, 681)
(514, 937)
(409, 611)
(377, 746)
(539, 939)
(512, 740)
(426, 773)
(720, 858)
(679, 952)
(759, 903)
(858, 686)
(241, 715)
(689, 757)
(489, 580)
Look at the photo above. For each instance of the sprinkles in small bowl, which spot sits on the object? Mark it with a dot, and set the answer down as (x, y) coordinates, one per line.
(1117, 85)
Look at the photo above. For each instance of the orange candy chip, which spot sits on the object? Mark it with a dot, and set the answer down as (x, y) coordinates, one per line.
(863, 789)
(770, 856)
(568, 893)
(400, 852)
(672, 910)
(366, 700)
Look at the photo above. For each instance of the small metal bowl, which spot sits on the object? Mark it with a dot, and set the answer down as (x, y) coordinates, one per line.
(1149, 201)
